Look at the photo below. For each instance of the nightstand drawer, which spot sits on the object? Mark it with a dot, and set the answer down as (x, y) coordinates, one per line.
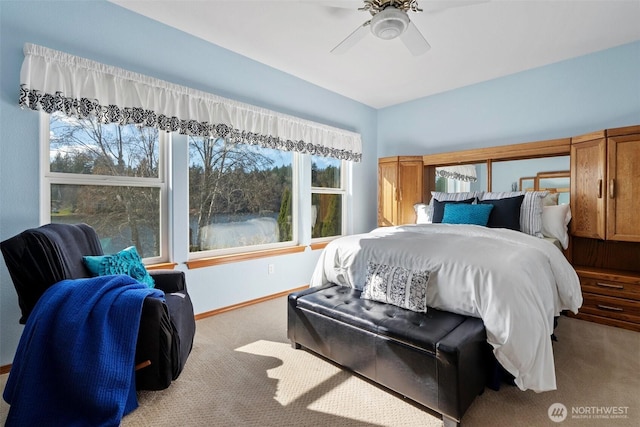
(615, 308)
(612, 288)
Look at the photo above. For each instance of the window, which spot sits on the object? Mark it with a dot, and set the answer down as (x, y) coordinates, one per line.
(450, 185)
(108, 176)
(458, 178)
(241, 197)
(327, 197)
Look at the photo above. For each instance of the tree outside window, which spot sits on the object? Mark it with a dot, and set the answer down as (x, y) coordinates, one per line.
(240, 195)
(108, 176)
(327, 194)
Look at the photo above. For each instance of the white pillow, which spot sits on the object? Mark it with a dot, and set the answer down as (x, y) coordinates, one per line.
(422, 213)
(555, 220)
(549, 200)
(530, 210)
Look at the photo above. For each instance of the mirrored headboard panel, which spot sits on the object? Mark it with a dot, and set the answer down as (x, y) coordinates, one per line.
(519, 175)
(461, 178)
(501, 168)
(556, 182)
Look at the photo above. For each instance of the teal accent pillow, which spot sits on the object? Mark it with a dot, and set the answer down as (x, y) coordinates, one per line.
(127, 261)
(466, 214)
(438, 208)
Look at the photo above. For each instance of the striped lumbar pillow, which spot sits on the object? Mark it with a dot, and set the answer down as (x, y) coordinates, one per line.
(530, 210)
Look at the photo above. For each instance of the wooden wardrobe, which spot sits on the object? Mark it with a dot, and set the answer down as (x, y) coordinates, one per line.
(399, 188)
(605, 229)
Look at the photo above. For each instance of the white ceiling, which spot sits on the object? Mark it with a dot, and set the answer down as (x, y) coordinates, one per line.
(471, 41)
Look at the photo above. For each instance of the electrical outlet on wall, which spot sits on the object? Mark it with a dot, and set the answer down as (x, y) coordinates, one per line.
(271, 268)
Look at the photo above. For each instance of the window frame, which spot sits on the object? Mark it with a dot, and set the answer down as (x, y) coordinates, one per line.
(458, 186)
(48, 178)
(341, 191)
(171, 202)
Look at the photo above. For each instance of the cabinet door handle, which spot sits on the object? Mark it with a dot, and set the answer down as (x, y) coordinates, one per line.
(608, 307)
(612, 188)
(609, 285)
(599, 189)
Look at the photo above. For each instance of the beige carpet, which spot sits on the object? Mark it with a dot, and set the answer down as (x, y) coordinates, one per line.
(243, 372)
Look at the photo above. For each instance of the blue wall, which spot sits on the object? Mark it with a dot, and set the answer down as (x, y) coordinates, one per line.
(107, 33)
(569, 98)
(572, 97)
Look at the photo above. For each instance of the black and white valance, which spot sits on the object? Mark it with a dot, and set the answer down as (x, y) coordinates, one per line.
(55, 81)
(458, 172)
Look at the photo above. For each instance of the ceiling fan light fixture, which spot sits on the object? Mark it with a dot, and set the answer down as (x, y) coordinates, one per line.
(389, 23)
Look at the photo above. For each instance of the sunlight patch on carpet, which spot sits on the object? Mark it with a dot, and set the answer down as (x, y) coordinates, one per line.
(291, 385)
(325, 388)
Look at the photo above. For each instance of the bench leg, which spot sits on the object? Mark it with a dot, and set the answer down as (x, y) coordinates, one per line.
(295, 345)
(449, 422)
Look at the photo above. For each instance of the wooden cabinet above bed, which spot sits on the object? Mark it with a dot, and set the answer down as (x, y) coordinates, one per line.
(605, 185)
(399, 188)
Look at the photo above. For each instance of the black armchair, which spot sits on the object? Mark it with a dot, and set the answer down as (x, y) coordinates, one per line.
(40, 257)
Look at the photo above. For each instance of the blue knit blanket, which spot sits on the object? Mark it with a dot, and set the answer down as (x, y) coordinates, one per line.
(74, 365)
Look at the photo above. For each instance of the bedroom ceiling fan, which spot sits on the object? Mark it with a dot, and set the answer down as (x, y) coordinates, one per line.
(389, 20)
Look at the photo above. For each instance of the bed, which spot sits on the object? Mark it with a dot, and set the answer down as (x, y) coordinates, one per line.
(515, 282)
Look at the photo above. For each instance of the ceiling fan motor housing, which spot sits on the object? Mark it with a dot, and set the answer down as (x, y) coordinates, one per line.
(389, 23)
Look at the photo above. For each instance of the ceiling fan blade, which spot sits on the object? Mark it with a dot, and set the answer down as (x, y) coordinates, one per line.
(433, 7)
(352, 39)
(414, 40)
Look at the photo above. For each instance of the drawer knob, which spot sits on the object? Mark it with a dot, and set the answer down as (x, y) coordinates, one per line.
(610, 308)
(609, 285)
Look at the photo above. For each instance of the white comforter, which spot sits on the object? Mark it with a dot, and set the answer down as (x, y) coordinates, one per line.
(515, 282)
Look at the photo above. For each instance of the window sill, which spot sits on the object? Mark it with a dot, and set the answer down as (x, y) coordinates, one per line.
(162, 266)
(225, 259)
(319, 245)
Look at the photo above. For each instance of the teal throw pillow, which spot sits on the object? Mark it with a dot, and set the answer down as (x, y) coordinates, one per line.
(466, 214)
(127, 261)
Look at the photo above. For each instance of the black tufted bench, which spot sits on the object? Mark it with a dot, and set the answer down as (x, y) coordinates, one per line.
(438, 359)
